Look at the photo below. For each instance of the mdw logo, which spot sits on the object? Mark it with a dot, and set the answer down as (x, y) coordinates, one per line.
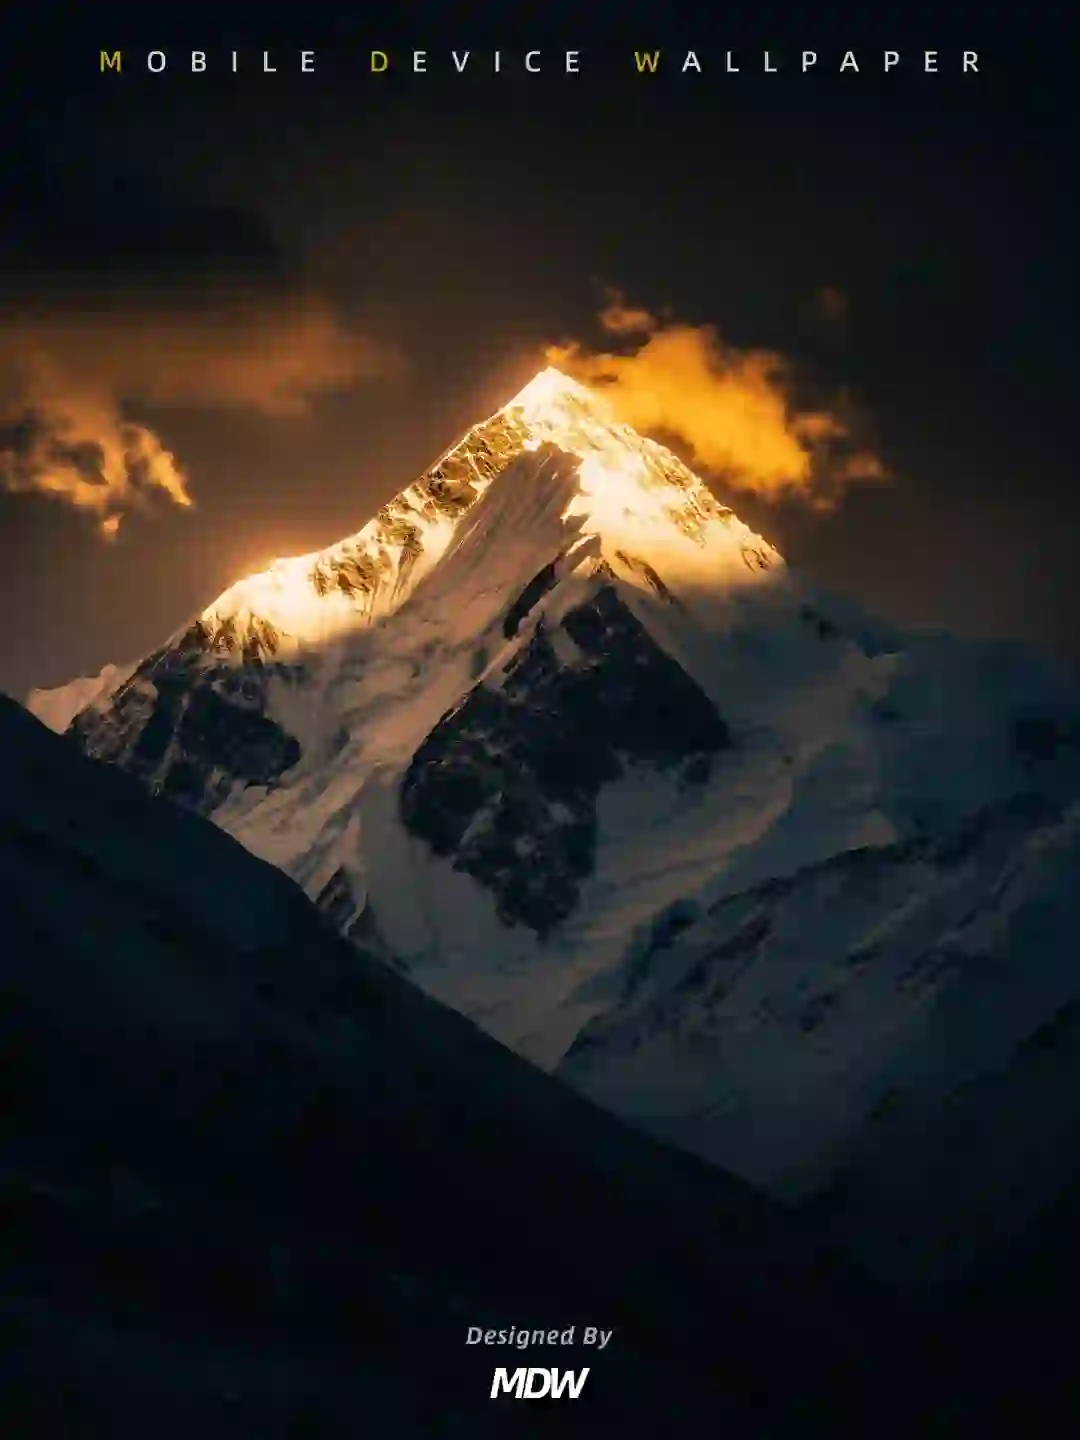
(535, 1384)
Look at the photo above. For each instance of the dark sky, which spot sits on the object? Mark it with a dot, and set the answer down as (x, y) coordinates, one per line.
(158, 228)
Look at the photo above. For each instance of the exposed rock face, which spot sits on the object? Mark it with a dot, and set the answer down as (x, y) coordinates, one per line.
(506, 785)
(194, 725)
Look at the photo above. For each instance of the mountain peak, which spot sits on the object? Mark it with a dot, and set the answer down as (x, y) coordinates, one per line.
(633, 492)
(550, 387)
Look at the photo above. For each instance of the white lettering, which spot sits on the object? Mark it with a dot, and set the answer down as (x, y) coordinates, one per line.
(153, 59)
(593, 1336)
(892, 59)
(931, 62)
(568, 1381)
(572, 62)
(460, 61)
(534, 1384)
(848, 62)
(307, 61)
(529, 66)
(198, 61)
(691, 62)
(809, 58)
(971, 61)
(268, 69)
(505, 1381)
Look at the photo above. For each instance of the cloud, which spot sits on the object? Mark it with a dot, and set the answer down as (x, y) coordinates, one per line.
(735, 409)
(70, 371)
(618, 318)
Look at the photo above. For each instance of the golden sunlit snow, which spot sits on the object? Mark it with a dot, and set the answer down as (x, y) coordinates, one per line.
(635, 495)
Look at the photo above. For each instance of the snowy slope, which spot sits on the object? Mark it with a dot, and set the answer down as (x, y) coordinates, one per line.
(898, 1052)
(57, 708)
(580, 701)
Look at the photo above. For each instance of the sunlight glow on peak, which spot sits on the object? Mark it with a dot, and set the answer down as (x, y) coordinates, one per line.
(550, 387)
(635, 495)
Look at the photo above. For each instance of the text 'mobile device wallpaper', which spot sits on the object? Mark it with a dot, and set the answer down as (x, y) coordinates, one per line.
(541, 723)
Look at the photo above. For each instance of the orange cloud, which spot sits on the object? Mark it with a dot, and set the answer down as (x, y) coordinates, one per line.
(618, 318)
(733, 408)
(66, 380)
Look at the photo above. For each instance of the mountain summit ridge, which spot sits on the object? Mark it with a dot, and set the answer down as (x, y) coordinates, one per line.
(625, 484)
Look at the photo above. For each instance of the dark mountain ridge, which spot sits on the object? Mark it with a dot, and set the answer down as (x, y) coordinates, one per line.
(257, 1184)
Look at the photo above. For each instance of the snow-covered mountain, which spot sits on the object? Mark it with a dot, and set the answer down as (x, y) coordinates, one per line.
(562, 738)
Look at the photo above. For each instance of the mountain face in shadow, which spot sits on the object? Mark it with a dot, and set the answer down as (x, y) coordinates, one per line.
(257, 1184)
